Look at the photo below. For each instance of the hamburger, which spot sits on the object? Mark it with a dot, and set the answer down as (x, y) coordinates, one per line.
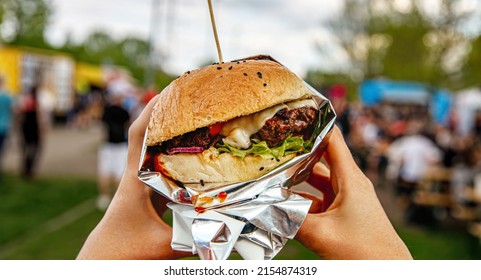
(229, 122)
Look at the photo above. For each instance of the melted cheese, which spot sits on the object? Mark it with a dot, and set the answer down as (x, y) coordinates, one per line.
(239, 131)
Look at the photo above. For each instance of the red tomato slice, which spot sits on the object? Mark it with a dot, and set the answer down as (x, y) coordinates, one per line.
(215, 129)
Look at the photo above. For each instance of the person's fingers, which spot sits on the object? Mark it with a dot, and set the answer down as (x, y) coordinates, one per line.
(342, 171)
(143, 119)
(159, 202)
(136, 135)
(317, 205)
(137, 130)
(320, 175)
(321, 180)
(314, 232)
(338, 155)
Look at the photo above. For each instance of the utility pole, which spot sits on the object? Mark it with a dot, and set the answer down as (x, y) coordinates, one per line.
(149, 71)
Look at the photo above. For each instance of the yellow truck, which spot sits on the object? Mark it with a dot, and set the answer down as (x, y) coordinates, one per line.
(24, 67)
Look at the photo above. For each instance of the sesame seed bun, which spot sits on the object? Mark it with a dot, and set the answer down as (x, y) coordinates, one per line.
(221, 92)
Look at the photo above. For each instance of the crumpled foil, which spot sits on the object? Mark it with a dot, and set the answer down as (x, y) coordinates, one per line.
(254, 218)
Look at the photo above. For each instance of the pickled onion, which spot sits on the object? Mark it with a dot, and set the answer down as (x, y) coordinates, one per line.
(191, 150)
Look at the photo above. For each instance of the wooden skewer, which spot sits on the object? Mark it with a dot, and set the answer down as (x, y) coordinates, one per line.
(219, 52)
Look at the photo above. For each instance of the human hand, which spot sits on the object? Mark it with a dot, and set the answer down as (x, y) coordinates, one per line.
(349, 223)
(132, 227)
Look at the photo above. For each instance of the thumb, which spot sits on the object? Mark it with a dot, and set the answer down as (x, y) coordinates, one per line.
(338, 156)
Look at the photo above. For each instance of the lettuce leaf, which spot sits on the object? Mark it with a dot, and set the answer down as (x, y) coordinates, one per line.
(292, 144)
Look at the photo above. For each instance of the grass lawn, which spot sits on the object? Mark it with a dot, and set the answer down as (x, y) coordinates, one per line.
(27, 206)
(63, 244)
(454, 244)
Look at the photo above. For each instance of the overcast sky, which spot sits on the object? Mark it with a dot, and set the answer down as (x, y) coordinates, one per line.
(288, 30)
(285, 29)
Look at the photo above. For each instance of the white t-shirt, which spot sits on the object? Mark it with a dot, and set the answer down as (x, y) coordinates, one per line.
(415, 154)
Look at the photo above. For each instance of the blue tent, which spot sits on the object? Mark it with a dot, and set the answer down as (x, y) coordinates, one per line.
(439, 101)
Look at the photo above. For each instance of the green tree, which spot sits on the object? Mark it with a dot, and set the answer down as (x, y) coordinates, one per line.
(350, 30)
(447, 41)
(406, 57)
(23, 22)
(357, 35)
(130, 52)
(402, 40)
(97, 48)
(471, 70)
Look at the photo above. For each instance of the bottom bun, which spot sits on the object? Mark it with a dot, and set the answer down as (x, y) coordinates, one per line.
(212, 167)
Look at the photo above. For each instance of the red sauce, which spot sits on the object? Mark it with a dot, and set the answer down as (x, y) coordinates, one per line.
(148, 163)
(193, 199)
(159, 165)
(152, 162)
(222, 196)
(183, 198)
(199, 209)
(205, 199)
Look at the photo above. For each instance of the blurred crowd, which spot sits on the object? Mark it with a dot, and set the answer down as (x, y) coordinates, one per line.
(31, 115)
(432, 170)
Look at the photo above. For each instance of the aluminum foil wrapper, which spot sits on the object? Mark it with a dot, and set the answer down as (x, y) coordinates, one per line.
(254, 218)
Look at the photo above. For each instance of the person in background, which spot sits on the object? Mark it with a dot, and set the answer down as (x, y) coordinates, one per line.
(149, 93)
(46, 100)
(413, 155)
(338, 96)
(113, 153)
(6, 110)
(32, 127)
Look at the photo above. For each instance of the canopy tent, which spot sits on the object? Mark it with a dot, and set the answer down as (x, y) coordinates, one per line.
(375, 91)
(382, 90)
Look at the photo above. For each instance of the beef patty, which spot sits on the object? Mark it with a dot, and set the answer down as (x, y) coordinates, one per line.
(298, 121)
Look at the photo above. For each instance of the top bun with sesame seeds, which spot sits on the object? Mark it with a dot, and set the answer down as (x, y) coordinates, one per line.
(226, 104)
(221, 92)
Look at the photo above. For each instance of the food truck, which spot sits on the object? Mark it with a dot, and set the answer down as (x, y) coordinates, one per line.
(24, 67)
